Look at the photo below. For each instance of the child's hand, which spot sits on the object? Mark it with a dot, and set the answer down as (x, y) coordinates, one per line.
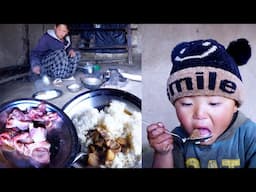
(159, 140)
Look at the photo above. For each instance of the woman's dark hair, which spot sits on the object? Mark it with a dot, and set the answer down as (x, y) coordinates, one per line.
(67, 25)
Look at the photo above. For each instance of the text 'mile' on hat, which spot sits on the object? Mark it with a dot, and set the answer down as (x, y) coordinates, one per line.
(205, 67)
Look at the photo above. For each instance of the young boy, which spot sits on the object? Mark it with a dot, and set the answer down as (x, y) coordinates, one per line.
(206, 89)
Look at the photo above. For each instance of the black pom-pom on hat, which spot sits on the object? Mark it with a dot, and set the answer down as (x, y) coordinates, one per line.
(240, 51)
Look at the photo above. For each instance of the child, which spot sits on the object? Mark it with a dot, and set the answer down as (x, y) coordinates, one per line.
(53, 54)
(206, 90)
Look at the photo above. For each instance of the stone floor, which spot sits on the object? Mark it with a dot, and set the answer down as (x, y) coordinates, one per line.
(23, 87)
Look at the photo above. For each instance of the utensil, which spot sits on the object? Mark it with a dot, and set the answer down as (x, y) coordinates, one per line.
(79, 156)
(197, 140)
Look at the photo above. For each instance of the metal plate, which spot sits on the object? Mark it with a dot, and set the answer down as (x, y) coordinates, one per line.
(99, 99)
(64, 140)
(47, 94)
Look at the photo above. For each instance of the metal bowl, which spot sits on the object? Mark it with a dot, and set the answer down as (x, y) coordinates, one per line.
(63, 139)
(92, 82)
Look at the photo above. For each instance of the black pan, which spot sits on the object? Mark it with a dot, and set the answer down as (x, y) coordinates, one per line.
(99, 99)
(64, 141)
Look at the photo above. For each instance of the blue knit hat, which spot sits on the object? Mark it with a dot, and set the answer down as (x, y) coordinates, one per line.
(205, 67)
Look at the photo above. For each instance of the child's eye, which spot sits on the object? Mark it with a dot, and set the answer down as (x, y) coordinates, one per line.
(186, 104)
(214, 103)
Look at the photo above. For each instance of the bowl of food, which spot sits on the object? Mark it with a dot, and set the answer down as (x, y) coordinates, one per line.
(108, 124)
(36, 134)
(48, 94)
(74, 87)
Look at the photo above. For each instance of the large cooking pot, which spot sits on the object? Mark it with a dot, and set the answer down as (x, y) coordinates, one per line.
(99, 99)
(64, 140)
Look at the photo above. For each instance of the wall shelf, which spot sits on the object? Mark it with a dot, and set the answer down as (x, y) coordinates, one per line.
(127, 47)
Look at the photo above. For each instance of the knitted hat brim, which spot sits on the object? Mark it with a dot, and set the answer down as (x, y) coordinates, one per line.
(208, 81)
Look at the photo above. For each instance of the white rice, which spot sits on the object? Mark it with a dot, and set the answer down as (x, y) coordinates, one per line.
(85, 121)
(118, 124)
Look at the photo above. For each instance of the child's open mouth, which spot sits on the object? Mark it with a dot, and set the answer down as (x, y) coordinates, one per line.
(200, 133)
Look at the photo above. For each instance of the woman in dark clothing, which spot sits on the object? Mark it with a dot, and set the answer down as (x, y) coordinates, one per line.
(53, 55)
